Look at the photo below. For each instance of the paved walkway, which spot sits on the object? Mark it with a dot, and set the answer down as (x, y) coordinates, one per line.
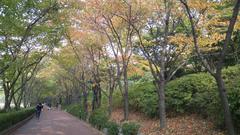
(56, 123)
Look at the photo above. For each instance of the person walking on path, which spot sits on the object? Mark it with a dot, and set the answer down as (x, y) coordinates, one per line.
(38, 110)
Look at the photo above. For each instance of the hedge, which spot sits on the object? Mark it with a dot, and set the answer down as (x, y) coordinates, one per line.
(11, 118)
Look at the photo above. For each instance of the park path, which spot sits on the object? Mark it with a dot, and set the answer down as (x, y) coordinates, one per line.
(53, 122)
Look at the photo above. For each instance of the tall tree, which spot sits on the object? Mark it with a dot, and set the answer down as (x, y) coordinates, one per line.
(165, 56)
(33, 29)
(216, 69)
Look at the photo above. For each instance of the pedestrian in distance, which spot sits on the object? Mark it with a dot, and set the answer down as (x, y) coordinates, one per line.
(39, 108)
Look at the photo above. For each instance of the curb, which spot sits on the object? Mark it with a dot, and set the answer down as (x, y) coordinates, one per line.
(11, 129)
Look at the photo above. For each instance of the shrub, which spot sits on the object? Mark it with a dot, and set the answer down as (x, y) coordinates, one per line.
(143, 97)
(190, 93)
(77, 110)
(118, 100)
(112, 128)
(11, 118)
(82, 114)
(198, 93)
(234, 100)
(194, 93)
(72, 109)
(232, 79)
(98, 119)
(130, 128)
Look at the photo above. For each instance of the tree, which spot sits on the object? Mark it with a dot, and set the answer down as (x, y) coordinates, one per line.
(107, 18)
(33, 29)
(216, 69)
(165, 56)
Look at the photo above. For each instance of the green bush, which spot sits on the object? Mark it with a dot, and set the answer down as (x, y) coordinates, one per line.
(11, 118)
(198, 93)
(112, 128)
(190, 93)
(82, 115)
(143, 97)
(232, 80)
(98, 119)
(194, 93)
(118, 100)
(130, 128)
(77, 110)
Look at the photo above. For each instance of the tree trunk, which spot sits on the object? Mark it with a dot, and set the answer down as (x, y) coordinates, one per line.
(110, 104)
(7, 103)
(8, 100)
(15, 103)
(70, 99)
(111, 83)
(25, 102)
(126, 108)
(7, 96)
(161, 104)
(99, 96)
(85, 103)
(94, 98)
(19, 99)
(223, 96)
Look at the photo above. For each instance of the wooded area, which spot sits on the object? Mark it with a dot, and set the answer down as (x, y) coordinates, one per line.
(136, 55)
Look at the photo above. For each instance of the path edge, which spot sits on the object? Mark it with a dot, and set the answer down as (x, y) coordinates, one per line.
(11, 129)
(86, 124)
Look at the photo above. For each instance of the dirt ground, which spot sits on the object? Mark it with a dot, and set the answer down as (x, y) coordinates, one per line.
(179, 125)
